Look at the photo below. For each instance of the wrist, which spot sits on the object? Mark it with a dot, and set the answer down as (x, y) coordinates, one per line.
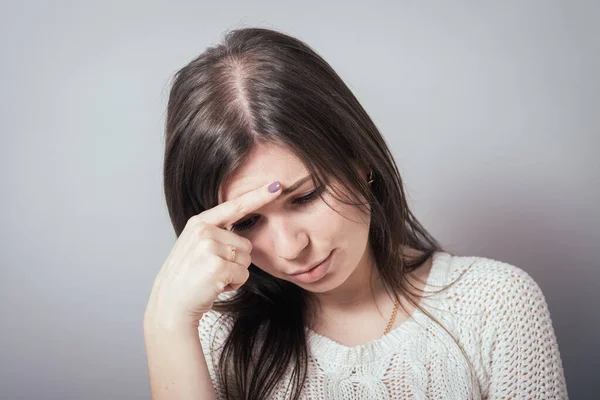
(155, 321)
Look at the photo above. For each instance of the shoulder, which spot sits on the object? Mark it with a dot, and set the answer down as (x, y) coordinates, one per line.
(511, 328)
(485, 273)
(492, 286)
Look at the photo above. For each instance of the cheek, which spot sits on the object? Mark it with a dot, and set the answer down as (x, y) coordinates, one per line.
(259, 259)
(336, 216)
(322, 221)
(262, 257)
(331, 224)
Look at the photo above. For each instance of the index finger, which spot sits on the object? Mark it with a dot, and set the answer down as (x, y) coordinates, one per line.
(233, 210)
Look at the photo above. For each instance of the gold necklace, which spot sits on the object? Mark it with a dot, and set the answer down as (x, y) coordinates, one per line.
(392, 318)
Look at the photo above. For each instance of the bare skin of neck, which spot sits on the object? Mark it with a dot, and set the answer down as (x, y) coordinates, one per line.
(364, 302)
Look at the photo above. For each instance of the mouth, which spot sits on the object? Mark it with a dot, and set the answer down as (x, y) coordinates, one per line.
(315, 273)
(313, 266)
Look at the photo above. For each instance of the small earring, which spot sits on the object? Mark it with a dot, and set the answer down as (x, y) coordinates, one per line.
(370, 179)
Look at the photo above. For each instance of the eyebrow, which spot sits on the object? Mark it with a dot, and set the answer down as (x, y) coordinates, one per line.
(295, 186)
(289, 189)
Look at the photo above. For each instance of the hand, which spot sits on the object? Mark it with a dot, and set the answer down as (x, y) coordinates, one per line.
(199, 267)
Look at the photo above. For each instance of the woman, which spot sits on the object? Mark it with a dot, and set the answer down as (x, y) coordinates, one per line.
(299, 263)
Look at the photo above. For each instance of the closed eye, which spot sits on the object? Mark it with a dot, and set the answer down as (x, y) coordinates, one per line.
(250, 222)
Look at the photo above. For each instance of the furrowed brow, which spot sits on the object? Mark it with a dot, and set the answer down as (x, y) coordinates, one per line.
(285, 192)
(295, 186)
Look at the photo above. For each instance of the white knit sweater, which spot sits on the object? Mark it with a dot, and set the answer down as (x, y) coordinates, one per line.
(497, 313)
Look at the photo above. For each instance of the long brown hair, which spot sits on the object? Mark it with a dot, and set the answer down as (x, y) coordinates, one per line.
(264, 86)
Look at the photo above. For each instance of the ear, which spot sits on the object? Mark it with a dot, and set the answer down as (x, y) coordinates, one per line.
(363, 171)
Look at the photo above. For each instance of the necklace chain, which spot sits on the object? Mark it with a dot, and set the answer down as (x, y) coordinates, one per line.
(392, 318)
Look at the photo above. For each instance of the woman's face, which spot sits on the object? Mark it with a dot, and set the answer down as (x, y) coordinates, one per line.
(298, 230)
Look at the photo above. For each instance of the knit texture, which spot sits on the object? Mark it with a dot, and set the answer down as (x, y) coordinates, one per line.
(497, 313)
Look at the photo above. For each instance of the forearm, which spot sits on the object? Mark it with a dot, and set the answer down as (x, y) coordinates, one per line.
(176, 363)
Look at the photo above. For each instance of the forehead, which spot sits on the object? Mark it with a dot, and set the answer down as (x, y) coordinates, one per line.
(265, 163)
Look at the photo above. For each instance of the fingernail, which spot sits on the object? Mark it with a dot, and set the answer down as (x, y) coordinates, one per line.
(273, 187)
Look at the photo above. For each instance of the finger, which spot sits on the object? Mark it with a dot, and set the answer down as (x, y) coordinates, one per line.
(223, 252)
(235, 277)
(239, 257)
(233, 210)
(205, 231)
(230, 238)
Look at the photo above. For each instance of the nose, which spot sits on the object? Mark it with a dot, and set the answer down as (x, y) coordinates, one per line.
(289, 237)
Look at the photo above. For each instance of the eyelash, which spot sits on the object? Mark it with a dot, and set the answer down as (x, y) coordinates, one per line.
(243, 226)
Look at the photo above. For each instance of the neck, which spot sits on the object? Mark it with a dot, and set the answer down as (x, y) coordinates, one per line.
(361, 290)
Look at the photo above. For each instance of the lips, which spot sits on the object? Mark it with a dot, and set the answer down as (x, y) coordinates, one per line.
(313, 266)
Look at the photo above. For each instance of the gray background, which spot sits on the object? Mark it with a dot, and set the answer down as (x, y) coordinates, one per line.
(491, 108)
